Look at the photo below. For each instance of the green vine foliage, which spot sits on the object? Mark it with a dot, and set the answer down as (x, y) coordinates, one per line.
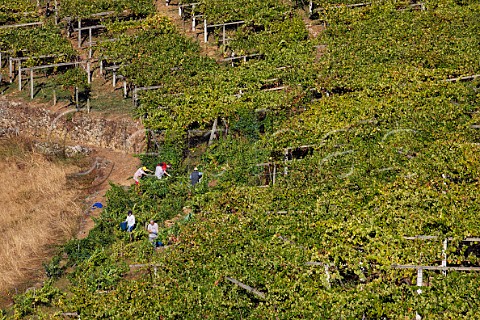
(81, 9)
(17, 11)
(393, 153)
(36, 42)
(27, 303)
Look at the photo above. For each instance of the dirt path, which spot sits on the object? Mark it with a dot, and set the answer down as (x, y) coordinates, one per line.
(115, 166)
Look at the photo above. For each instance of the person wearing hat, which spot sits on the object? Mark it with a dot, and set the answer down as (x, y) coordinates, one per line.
(195, 176)
(139, 174)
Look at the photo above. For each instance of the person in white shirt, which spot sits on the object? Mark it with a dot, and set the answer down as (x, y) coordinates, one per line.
(130, 221)
(161, 170)
(139, 174)
(152, 230)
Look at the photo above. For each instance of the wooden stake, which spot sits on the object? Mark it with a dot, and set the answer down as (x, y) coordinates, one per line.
(54, 97)
(246, 287)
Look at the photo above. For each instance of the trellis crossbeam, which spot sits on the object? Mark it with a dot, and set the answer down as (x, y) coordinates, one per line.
(39, 23)
(439, 268)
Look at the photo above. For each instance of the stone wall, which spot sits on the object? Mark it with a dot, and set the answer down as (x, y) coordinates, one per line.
(70, 126)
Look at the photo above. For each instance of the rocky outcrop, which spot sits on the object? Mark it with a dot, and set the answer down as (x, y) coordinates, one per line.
(70, 126)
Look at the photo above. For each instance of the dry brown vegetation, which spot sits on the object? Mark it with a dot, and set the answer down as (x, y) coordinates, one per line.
(38, 210)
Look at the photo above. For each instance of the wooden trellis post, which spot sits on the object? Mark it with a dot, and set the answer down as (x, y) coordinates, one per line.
(246, 287)
(472, 77)
(212, 133)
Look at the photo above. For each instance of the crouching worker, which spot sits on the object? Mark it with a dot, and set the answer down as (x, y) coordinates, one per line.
(130, 221)
(152, 231)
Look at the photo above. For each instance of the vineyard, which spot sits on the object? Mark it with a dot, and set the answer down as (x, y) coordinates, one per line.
(341, 172)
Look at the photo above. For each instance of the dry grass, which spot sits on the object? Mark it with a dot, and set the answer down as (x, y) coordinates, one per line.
(37, 211)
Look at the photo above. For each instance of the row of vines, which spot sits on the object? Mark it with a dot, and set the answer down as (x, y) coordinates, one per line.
(393, 152)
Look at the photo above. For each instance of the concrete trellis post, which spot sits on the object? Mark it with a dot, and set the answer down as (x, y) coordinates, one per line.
(31, 83)
(19, 75)
(76, 97)
(444, 256)
(205, 31)
(10, 69)
(90, 42)
(134, 96)
(55, 3)
(79, 32)
(89, 78)
(419, 279)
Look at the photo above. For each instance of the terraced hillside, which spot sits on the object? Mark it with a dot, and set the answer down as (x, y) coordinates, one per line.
(340, 172)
